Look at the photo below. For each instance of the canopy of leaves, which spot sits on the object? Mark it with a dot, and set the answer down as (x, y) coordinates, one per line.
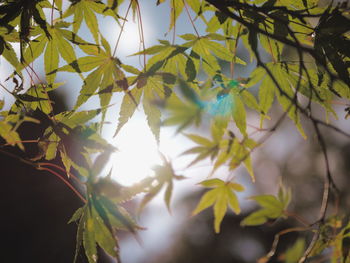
(183, 83)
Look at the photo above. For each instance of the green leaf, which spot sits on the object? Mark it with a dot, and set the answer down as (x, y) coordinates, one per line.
(220, 209)
(77, 215)
(239, 115)
(195, 5)
(177, 7)
(164, 176)
(220, 197)
(152, 50)
(221, 51)
(188, 36)
(210, 64)
(188, 92)
(115, 216)
(256, 76)
(89, 241)
(80, 235)
(249, 100)
(236, 187)
(10, 55)
(73, 119)
(285, 102)
(212, 183)
(257, 218)
(233, 202)
(266, 95)
(100, 162)
(207, 200)
(10, 135)
(294, 253)
(91, 21)
(248, 165)
(85, 10)
(64, 47)
(83, 64)
(284, 195)
(128, 108)
(152, 112)
(103, 235)
(34, 49)
(91, 84)
(190, 70)
(130, 69)
(51, 149)
(51, 60)
(199, 140)
(66, 160)
(207, 148)
(168, 194)
(182, 114)
(271, 208)
(268, 201)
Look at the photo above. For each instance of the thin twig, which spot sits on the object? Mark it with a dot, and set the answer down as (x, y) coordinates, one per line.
(328, 183)
(121, 29)
(38, 167)
(65, 181)
(52, 8)
(254, 27)
(174, 29)
(297, 217)
(18, 158)
(189, 16)
(24, 141)
(62, 169)
(141, 33)
(45, 91)
(275, 242)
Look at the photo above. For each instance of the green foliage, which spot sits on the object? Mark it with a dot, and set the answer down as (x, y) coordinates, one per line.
(272, 207)
(98, 221)
(334, 234)
(183, 83)
(221, 196)
(294, 253)
(164, 176)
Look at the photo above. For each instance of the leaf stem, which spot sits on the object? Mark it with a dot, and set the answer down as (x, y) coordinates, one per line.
(297, 217)
(328, 183)
(141, 33)
(38, 167)
(64, 181)
(273, 249)
(174, 29)
(52, 8)
(122, 29)
(189, 16)
(61, 169)
(24, 141)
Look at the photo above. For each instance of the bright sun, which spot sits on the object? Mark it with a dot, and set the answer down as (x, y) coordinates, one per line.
(137, 147)
(137, 153)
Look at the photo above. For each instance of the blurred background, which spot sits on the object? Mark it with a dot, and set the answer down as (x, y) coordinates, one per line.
(173, 238)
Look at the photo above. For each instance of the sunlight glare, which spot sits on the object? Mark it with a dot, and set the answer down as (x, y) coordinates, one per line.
(130, 39)
(137, 153)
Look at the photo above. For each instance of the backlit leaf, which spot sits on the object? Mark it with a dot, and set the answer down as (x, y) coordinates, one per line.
(221, 196)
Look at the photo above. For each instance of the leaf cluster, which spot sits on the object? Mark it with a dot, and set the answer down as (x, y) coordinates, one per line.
(183, 83)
